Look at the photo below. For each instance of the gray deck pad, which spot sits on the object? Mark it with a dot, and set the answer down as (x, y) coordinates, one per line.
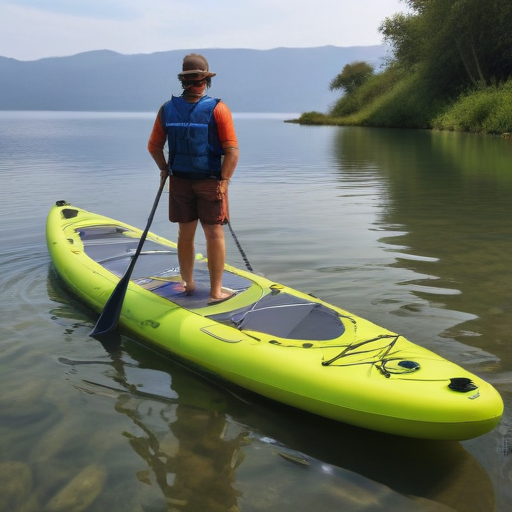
(157, 268)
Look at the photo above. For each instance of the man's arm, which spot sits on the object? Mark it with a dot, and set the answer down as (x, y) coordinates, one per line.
(229, 163)
(227, 138)
(156, 143)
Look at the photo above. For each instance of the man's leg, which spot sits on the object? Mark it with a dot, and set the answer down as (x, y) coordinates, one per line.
(216, 254)
(187, 253)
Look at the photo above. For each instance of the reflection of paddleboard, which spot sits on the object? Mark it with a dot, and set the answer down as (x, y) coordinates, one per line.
(271, 339)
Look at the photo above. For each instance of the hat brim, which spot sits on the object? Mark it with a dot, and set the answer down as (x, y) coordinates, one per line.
(205, 74)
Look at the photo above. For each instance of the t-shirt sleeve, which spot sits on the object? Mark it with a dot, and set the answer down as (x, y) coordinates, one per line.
(158, 136)
(225, 126)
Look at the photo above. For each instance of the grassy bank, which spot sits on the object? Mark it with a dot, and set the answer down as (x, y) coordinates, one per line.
(395, 100)
(486, 110)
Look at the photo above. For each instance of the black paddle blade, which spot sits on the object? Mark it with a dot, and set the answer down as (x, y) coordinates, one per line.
(110, 315)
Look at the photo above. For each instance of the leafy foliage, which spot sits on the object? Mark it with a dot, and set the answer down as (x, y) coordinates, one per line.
(485, 110)
(451, 69)
(454, 43)
(352, 76)
(375, 86)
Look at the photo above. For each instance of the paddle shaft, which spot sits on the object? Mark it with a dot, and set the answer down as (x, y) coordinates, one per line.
(110, 315)
(247, 264)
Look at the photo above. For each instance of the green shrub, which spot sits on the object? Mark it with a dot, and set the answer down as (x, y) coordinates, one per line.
(484, 110)
(394, 99)
(313, 118)
(374, 87)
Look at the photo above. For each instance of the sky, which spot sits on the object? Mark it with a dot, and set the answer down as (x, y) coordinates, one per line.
(35, 29)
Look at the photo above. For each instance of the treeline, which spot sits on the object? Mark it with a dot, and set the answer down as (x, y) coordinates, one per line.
(450, 68)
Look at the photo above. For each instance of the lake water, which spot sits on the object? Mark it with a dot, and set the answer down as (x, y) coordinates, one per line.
(410, 229)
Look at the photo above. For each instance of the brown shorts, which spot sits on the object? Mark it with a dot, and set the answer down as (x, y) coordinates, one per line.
(190, 200)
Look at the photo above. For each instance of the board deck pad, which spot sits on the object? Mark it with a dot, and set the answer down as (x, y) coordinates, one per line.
(157, 268)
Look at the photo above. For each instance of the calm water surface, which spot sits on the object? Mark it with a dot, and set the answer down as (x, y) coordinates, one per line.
(410, 229)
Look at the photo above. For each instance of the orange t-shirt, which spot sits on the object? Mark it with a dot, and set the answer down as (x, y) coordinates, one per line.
(225, 129)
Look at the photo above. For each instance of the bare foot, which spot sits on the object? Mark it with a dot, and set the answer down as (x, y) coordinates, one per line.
(226, 293)
(189, 288)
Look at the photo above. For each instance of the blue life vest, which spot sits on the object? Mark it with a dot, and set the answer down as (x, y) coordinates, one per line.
(194, 147)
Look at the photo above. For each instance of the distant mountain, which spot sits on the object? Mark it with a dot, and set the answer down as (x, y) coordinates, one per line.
(278, 80)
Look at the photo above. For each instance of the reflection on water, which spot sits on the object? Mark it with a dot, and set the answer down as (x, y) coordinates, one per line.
(180, 441)
(451, 196)
(410, 229)
(187, 450)
(201, 446)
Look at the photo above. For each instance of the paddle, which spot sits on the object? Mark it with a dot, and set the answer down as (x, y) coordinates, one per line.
(110, 314)
(247, 264)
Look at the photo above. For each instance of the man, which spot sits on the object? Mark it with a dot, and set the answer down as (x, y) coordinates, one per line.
(203, 154)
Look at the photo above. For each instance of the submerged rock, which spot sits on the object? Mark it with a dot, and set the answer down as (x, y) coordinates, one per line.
(78, 494)
(16, 488)
(64, 437)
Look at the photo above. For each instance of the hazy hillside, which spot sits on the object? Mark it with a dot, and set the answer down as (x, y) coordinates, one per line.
(278, 80)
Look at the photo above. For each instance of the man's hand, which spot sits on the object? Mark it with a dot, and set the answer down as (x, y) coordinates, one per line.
(229, 162)
(223, 187)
